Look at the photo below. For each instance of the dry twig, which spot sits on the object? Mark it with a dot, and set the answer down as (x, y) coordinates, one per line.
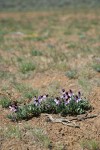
(83, 117)
(63, 121)
(70, 122)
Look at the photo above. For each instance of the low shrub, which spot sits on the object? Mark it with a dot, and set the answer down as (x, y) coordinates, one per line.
(67, 104)
(76, 108)
(25, 112)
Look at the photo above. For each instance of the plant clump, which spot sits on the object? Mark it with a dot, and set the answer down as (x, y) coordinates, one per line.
(67, 103)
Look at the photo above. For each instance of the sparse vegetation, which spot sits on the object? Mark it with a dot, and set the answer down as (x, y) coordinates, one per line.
(5, 102)
(71, 74)
(13, 132)
(46, 4)
(40, 53)
(36, 53)
(27, 66)
(30, 94)
(41, 136)
(96, 67)
(90, 145)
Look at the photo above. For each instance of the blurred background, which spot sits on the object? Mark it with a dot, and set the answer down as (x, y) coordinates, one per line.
(46, 46)
(45, 4)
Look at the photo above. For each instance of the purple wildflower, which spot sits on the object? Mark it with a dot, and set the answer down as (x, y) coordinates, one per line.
(44, 97)
(13, 107)
(63, 96)
(47, 95)
(63, 91)
(70, 93)
(36, 102)
(67, 102)
(57, 101)
(67, 97)
(66, 93)
(79, 94)
(77, 99)
(34, 99)
(40, 99)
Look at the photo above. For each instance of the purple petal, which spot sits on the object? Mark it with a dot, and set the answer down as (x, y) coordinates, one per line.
(70, 93)
(79, 94)
(57, 101)
(63, 90)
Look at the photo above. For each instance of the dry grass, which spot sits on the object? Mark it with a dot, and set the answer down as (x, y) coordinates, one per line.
(37, 49)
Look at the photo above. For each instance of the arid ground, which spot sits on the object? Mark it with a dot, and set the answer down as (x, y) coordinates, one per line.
(41, 53)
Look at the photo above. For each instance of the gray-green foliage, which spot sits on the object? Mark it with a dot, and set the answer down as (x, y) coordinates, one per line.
(25, 112)
(5, 102)
(27, 66)
(71, 74)
(49, 106)
(76, 108)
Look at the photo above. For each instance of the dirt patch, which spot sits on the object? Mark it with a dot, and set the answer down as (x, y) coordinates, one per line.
(77, 52)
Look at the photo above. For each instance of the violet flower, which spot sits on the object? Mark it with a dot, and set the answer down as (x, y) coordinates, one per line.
(77, 99)
(36, 102)
(67, 102)
(79, 94)
(57, 101)
(63, 96)
(67, 97)
(63, 91)
(66, 93)
(45, 97)
(13, 108)
(40, 99)
(34, 99)
(70, 93)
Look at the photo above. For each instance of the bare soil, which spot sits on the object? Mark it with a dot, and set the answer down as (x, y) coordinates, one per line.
(61, 136)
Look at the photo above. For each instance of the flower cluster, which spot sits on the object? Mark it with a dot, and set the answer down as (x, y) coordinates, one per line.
(67, 103)
(13, 107)
(68, 96)
(39, 100)
(65, 97)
